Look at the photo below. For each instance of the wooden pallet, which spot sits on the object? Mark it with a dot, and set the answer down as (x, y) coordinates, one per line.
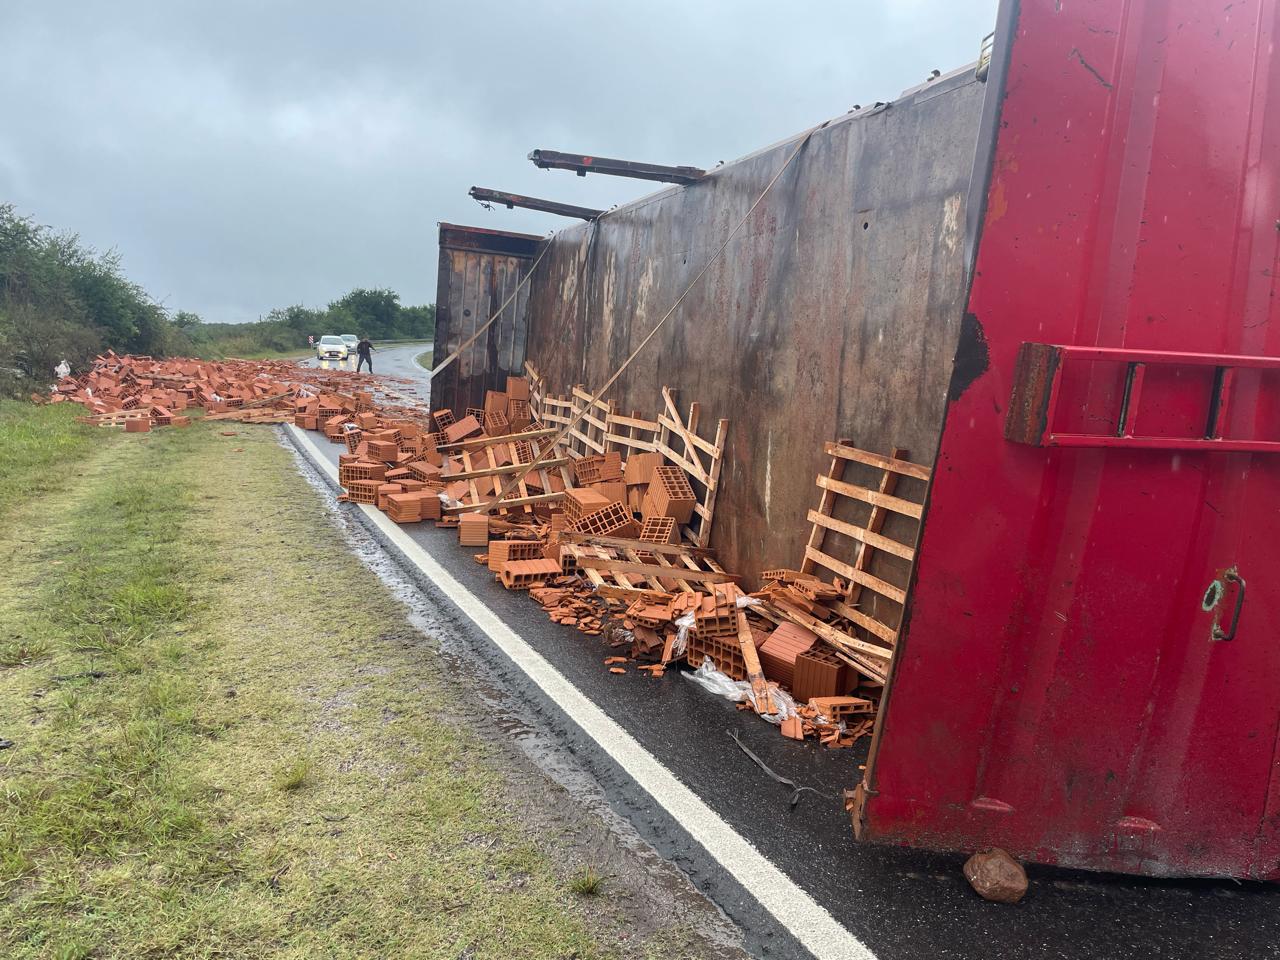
(676, 437)
(871, 604)
(480, 462)
(627, 570)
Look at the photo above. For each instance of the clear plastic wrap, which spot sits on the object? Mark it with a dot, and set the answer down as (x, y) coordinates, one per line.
(722, 685)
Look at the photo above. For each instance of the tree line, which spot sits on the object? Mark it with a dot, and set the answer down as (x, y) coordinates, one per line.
(377, 314)
(62, 300)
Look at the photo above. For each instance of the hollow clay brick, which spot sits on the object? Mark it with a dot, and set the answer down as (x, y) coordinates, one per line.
(464, 428)
(473, 530)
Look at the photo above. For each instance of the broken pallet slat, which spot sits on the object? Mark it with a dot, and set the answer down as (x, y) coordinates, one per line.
(873, 497)
(505, 504)
(755, 673)
(498, 471)
(623, 543)
(892, 464)
(645, 569)
(860, 577)
(477, 443)
(865, 535)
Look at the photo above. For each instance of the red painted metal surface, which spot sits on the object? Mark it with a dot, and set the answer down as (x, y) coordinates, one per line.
(1116, 416)
(1058, 689)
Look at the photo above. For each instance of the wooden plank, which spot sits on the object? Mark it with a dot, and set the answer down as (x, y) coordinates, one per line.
(621, 578)
(650, 570)
(633, 442)
(695, 470)
(634, 557)
(755, 673)
(687, 435)
(505, 504)
(888, 485)
(862, 534)
(831, 634)
(594, 421)
(522, 487)
(587, 441)
(850, 612)
(500, 471)
(826, 503)
(669, 401)
(896, 504)
(707, 508)
(687, 563)
(479, 442)
(892, 464)
(848, 570)
(862, 665)
(580, 393)
(471, 484)
(633, 421)
(625, 543)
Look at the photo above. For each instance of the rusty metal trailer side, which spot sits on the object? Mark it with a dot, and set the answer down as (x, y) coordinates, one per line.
(479, 269)
(834, 312)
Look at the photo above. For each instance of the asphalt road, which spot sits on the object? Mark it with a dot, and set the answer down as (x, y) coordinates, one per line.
(901, 903)
(395, 362)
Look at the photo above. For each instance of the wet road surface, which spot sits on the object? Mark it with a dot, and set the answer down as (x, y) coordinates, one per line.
(900, 903)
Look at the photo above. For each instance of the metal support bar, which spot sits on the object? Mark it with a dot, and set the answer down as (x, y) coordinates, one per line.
(513, 200)
(582, 165)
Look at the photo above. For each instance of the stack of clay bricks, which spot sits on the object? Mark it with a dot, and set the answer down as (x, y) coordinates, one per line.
(715, 629)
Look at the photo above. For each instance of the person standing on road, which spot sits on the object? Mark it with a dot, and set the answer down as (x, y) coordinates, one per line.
(364, 351)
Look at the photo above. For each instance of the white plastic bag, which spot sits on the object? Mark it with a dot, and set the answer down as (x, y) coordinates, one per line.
(684, 625)
(714, 681)
(722, 685)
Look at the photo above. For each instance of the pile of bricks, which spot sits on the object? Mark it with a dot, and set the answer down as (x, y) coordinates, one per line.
(595, 540)
(137, 393)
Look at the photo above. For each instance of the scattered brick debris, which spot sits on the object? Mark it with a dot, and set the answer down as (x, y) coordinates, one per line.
(598, 541)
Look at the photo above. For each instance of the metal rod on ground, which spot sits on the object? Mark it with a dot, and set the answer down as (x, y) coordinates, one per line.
(488, 507)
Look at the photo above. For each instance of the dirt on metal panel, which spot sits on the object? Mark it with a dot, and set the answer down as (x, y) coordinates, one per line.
(834, 313)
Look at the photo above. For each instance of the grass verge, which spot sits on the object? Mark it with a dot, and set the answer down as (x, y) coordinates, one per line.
(33, 440)
(425, 359)
(229, 743)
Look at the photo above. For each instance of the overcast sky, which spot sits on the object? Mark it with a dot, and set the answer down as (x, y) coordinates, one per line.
(248, 154)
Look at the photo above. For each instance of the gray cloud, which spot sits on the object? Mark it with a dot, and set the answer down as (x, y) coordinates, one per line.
(246, 155)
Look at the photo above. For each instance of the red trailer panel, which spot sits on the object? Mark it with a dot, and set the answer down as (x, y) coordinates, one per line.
(1090, 671)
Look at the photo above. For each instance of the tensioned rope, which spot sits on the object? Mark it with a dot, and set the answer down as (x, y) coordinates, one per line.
(575, 420)
(546, 247)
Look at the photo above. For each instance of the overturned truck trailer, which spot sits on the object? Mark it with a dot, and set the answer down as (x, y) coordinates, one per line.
(1054, 279)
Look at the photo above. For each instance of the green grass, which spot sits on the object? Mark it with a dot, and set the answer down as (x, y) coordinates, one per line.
(425, 359)
(587, 882)
(34, 440)
(214, 758)
(291, 776)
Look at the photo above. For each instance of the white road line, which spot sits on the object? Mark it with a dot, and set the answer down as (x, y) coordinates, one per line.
(808, 922)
